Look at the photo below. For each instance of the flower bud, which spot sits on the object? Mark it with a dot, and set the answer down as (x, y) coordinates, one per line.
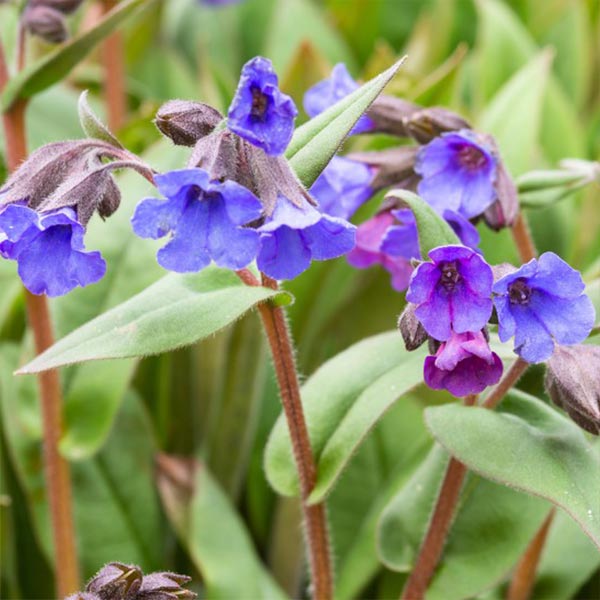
(389, 115)
(116, 581)
(572, 383)
(165, 586)
(393, 167)
(46, 22)
(80, 595)
(186, 122)
(412, 331)
(428, 123)
(504, 210)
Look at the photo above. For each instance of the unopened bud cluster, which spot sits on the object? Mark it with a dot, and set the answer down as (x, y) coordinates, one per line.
(46, 18)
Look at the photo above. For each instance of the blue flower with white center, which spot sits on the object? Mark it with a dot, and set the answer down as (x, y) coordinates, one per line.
(343, 187)
(541, 304)
(326, 93)
(260, 113)
(458, 173)
(204, 218)
(292, 236)
(49, 249)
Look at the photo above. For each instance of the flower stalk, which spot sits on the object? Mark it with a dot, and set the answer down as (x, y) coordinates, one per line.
(56, 468)
(315, 518)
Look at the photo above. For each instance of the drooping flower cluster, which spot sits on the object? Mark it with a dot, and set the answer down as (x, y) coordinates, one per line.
(450, 301)
(46, 204)
(456, 170)
(240, 201)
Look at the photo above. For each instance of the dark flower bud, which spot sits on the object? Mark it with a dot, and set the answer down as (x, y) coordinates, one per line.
(428, 123)
(573, 384)
(393, 167)
(165, 586)
(504, 210)
(412, 331)
(116, 581)
(389, 114)
(64, 6)
(186, 122)
(46, 22)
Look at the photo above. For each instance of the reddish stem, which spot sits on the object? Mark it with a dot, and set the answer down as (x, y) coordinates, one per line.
(113, 54)
(315, 517)
(523, 579)
(56, 469)
(522, 237)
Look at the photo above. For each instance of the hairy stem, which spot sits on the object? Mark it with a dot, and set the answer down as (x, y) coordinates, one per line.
(522, 237)
(56, 468)
(114, 75)
(439, 526)
(523, 579)
(315, 517)
(448, 496)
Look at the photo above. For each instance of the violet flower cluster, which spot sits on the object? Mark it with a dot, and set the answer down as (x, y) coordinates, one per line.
(240, 201)
(451, 298)
(456, 170)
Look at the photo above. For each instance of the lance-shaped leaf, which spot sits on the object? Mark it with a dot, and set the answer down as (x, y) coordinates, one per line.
(527, 445)
(433, 230)
(315, 142)
(176, 311)
(92, 125)
(55, 65)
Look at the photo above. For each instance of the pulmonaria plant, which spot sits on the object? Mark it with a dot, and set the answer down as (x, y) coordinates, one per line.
(246, 204)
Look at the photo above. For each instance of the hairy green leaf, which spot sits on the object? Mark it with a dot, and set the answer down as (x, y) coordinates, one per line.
(92, 125)
(527, 445)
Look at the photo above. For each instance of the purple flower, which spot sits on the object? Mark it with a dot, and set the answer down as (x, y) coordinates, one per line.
(458, 173)
(292, 236)
(387, 240)
(343, 187)
(260, 112)
(49, 249)
(326, 93)
(463, 365)
(463, 228)
(452, 293)
(205, 219)
(541, 303)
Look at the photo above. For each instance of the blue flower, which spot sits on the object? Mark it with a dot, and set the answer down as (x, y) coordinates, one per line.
(49, 249)
(458, 172)
(294, 236)
(452, 293)
(205, 219)
(326, 93)
(541, 303)
(260, 113)
(343, 187)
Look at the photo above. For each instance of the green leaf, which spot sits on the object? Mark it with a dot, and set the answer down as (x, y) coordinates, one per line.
(92, 125)
(514, 115)
(529, 446)
(213, 533)
(51, 68)
(315, 142)
(176, 311)
(433, 230)
(492, 528)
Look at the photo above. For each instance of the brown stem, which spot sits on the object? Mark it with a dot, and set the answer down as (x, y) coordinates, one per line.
(56, 469)
(523, 579)
(114, 75)
(315, 518)
(443, 513)
(439, 526)
(522, 237)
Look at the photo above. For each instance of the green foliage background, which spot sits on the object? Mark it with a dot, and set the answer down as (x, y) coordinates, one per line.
(526, 71)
